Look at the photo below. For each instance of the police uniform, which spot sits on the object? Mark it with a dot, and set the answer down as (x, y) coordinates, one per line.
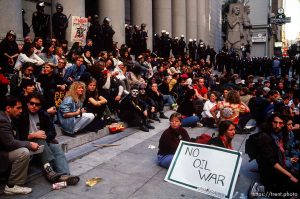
(107, 35)
(59, 24)
(40, 22)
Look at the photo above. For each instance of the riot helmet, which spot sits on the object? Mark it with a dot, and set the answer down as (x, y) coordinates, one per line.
(59, 7)
(40, 5)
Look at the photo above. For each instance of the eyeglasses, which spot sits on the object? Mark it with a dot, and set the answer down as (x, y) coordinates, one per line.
(33, 103)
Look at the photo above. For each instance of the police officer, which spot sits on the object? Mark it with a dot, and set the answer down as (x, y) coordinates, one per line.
(156, 43)
(201, 50)
(26, 29)
(59, 23)
(165, 45)
(136, 41)
(107, 35)
(175, 47)
(182, 46)
(192, 49)
(144, 38)
(40, 21)
(95, 34)
(128, 35)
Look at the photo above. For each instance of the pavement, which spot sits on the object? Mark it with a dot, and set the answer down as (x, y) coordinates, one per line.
(128, 170)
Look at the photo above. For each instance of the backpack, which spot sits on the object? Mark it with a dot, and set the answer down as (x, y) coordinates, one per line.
(204, 138)
(251, 146)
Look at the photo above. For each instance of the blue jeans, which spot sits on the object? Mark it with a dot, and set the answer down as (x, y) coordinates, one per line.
(190, 121)
(164, 160)
(60, 161)
(168, 100)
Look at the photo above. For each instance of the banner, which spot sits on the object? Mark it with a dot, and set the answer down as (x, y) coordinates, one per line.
(79, 29)
(204, 168)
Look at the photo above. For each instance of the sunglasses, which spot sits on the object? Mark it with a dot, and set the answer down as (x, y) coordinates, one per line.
(33, 103)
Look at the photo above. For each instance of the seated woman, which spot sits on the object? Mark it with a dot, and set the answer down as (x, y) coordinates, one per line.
(170, 139)
(71, 115)
(95, 103)
(188, 111)
(50, 83)
(225, 136)
(207, 118)
(230, 109)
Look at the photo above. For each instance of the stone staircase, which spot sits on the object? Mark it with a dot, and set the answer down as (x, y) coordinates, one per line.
(84, 143)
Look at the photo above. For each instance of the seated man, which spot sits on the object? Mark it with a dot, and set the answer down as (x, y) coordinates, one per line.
(35, 124)
(134, 111)
(158, 98)
(13, 152)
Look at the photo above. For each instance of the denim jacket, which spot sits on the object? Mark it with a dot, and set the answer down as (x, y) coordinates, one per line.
(68, 105)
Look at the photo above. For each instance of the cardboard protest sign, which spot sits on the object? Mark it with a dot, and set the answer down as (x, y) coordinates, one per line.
(207, 169)
(79, 29)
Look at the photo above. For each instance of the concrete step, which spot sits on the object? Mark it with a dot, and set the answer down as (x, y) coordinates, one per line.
(69, 143)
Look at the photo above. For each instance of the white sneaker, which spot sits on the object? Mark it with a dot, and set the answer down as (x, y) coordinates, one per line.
(199, 124)
(17, 190)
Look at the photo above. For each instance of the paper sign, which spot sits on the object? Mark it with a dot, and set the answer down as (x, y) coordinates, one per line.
(79, 29)
(204, 168)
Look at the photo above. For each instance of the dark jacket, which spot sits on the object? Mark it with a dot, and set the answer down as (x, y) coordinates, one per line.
(46, 124)
(170, 139)
(216, 141)
(8, 141)
(268, 157)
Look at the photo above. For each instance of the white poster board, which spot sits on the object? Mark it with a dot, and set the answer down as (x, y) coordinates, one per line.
(204, 168)
(79, 29)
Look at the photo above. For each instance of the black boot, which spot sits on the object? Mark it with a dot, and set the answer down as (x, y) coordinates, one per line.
(162, 115)
(144, 128)
(149, 126)
(155, 117)
(51, 175)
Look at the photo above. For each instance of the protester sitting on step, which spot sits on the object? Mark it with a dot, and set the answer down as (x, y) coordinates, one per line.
(36, 125)
(188, 111)
(170, 139)
(225, 136)
(12, 151)
(71, 115)
(270, 159)
(133, 110)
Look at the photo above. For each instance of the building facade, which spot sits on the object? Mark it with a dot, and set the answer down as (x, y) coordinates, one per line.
(196, 19)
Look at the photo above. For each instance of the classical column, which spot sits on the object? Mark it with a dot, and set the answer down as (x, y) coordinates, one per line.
(11, 18)
(179, 18)
(162, 16)
(73, 8)
(208, 21)
(191, 19)
(201, 20)
(141, 12)
(115, 10)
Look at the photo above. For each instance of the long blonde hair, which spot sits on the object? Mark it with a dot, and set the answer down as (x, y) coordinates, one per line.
(72, 91)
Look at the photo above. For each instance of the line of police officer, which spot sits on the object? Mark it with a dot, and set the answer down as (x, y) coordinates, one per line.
(41, 23)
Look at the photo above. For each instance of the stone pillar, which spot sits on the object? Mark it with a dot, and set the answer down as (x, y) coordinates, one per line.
(191, 19)
(179, 18)
(201, 20)
(162, 16)
(11, 18)
(73, 8)
(115, 10)
(141, 12)
(208, 21)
